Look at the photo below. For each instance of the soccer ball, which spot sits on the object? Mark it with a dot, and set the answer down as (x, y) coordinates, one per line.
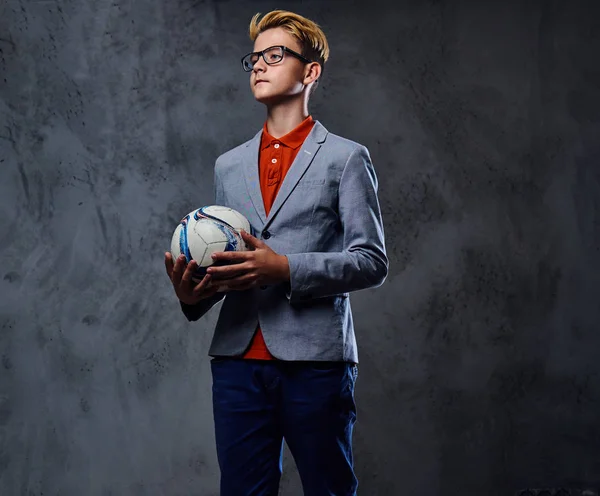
(205, 231)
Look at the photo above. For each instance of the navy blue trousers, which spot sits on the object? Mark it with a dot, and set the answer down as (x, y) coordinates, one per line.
(257, 404)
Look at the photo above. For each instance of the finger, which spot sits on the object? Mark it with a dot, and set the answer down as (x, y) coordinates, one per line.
(169, 264)
(188, 274)
(204, 286)
(231, 256)
(178, 269)
(228, 271)
(252, 241)
(204, 282)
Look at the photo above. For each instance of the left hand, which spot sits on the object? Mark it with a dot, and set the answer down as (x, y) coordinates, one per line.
(257, 267)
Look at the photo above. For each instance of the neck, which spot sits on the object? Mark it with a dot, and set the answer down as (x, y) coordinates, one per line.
(285, 116)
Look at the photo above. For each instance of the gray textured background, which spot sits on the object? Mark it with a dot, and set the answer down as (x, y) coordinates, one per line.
(480, 354)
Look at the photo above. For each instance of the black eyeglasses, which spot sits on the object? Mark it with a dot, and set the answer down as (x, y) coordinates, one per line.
(271, 55)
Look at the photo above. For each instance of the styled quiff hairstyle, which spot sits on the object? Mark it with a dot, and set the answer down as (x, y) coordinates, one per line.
(311, 37)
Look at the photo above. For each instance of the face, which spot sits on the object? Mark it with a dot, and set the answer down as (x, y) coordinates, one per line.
(275, 83)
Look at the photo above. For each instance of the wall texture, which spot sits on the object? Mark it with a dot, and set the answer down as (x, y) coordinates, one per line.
(479, 356)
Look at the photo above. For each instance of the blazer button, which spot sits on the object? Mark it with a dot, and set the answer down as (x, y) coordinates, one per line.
(266, 235)
(263, 287)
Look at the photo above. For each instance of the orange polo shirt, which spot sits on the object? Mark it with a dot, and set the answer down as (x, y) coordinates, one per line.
(276, 156)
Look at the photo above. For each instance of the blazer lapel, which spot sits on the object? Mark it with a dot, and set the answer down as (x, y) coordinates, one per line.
(250, 166)
(305, 156)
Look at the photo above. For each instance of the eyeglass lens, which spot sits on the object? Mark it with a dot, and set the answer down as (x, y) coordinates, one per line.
(271, 55)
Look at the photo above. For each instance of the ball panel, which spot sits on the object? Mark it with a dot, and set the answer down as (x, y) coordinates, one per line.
(210, 236)
(175, 250)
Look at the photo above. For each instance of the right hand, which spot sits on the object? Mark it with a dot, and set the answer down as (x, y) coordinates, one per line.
(188, 291)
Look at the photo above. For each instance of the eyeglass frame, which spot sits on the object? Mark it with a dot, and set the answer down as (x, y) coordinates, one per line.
(283, 48)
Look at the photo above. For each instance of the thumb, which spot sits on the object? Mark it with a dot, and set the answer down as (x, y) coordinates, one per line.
(251, 241)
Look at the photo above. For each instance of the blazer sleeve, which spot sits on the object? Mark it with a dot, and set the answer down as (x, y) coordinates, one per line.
(195, 312)
(363, 262)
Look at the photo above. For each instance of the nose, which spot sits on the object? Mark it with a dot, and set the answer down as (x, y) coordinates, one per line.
(260, 65)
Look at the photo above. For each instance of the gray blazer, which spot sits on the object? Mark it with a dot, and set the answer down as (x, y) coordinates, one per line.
(327, 220)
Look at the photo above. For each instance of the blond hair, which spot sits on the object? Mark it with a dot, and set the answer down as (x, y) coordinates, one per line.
(311, 37)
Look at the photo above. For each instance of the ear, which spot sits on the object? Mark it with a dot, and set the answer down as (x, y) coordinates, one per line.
(312, 72)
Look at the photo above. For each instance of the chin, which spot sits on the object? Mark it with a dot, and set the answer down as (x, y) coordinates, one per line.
(271, 98)
(265, 97)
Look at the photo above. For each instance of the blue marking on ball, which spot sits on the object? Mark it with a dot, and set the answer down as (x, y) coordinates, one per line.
(183, 242)
(202, 213)
(230, 233)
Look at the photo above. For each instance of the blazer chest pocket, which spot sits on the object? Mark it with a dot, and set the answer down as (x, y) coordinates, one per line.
(310, 183)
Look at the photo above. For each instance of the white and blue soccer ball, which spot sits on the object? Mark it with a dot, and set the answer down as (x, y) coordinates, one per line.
(207, 230)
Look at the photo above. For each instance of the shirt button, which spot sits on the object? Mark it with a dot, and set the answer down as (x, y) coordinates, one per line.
(274, 160)
(276, 145)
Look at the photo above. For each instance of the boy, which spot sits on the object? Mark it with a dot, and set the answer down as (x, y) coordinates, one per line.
(284, 352)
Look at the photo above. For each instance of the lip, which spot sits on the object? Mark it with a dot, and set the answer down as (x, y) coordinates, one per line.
(258, 81)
